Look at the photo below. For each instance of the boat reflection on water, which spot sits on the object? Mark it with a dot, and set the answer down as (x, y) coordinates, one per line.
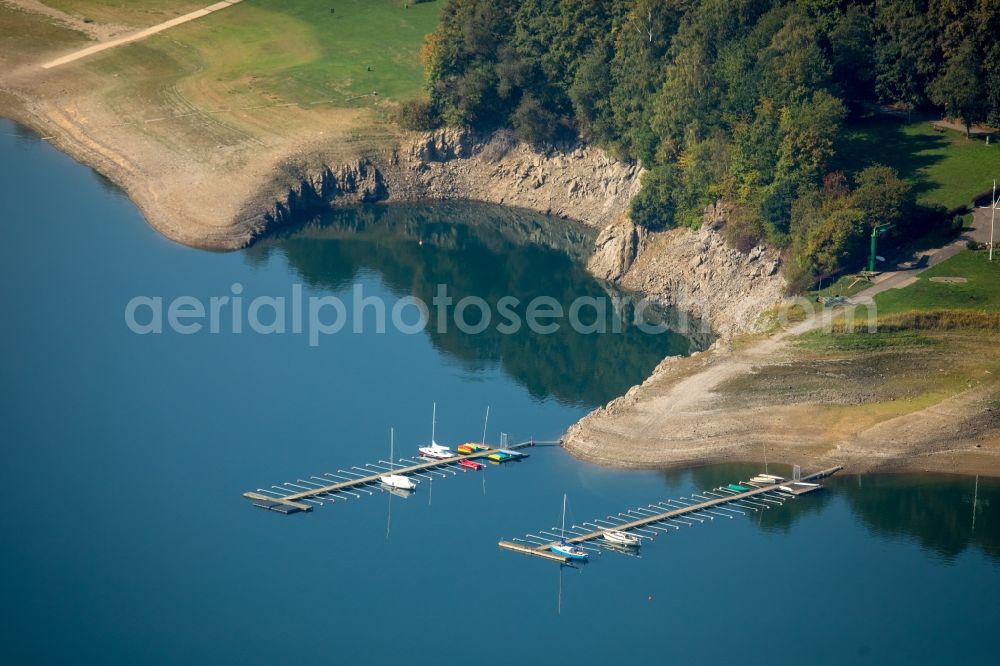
(631, 551)
(399, 492)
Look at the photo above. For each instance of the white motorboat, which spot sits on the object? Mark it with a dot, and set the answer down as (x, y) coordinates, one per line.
(620, 538)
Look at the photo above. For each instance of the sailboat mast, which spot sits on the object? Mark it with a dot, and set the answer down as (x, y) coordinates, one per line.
(434, 418)
(485, 423)
(392, 446)
(562, 530)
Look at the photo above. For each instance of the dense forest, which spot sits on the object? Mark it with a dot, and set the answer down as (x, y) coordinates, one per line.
(739, 102)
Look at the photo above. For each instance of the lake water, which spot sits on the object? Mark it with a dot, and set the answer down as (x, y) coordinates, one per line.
(123, 459)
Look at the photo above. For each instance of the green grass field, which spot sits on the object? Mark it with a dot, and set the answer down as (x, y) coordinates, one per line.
(981, 292)
(304, 52)
(266, 68)
(944, 167)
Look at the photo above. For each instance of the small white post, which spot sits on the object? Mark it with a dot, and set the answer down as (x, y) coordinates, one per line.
(993, 215)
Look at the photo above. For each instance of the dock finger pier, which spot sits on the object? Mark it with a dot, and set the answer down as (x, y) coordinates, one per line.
(642, 524)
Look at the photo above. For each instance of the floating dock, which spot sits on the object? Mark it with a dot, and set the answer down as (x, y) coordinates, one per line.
(646, 522)
(305, 494)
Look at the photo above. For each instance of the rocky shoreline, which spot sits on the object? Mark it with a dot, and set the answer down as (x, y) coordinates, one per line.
(693, 272)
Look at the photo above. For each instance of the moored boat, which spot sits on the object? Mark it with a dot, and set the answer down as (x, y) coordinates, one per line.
(565, 548)
(620, 538)
(435, 450)
(505, 455)
(471, 464)
(569, 550)
(396, 481)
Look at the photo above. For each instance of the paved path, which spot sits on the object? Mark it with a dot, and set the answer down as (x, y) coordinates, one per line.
(979, 232)
(136, 36)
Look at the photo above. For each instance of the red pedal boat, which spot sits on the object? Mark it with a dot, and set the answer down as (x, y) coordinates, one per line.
(471, 464)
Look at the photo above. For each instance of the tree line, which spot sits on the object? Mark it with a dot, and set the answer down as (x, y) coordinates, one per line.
(734, 101)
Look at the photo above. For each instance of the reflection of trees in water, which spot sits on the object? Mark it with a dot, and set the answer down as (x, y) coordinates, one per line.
(934, 510)
(775, 519)
(489, 252)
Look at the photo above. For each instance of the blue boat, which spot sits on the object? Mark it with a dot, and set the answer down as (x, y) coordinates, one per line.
(565, 548)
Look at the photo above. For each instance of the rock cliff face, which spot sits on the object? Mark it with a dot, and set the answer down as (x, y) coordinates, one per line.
(615, 250)
(692, 271)
(696, 272)
(576, 182)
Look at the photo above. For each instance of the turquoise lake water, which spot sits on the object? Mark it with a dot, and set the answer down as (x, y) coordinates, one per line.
(124, 457)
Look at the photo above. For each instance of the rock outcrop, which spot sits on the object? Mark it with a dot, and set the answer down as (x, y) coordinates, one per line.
(696, 272)
(575, 181)
(615, 250)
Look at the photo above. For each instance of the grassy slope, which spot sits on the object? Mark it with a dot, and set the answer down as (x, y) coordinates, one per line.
(238, 66)
(944, 167)
(297, 52)
(266, 68)
(981, 292)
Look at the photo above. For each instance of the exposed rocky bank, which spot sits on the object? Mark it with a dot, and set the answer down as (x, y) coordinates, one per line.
(577, 182)
(693, 272)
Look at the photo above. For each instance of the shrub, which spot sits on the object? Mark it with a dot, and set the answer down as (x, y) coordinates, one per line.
(416, 114)
(744, 230)
(533, 123)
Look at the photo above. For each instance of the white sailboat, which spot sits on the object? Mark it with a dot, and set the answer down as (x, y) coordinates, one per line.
(620, 538)
(435, 450)
(396, 481)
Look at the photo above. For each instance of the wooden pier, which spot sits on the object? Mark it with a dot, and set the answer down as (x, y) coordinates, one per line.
(721, 498)
(303, 495)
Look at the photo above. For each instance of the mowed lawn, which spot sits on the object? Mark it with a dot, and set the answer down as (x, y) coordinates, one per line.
(306, 52)
(944, 167)
(980, 292)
